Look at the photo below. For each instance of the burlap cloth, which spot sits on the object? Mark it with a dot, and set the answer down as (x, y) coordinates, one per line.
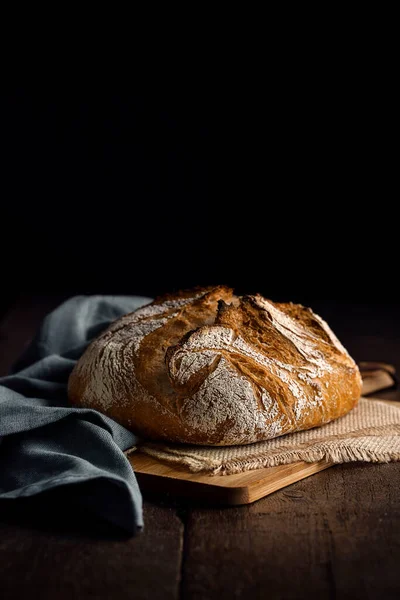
(370, 432)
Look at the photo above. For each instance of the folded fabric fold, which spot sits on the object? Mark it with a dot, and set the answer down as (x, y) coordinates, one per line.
(45, 443)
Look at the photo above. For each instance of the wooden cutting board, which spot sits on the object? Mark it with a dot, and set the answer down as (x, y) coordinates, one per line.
(241, 488)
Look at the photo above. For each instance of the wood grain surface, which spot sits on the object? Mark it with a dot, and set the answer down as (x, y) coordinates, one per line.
(333, 535)
(241, 488)
(329, 536)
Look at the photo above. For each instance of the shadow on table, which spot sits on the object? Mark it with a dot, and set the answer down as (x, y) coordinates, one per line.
(57, 511)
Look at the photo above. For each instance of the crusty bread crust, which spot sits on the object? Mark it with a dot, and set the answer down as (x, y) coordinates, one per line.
(206, 367)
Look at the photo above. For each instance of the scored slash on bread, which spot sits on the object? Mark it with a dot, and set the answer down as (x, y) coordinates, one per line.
(207, 367)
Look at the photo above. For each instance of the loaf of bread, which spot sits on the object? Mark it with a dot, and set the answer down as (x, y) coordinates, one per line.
(207, 367)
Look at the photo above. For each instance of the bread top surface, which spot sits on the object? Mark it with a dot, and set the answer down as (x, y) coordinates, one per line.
(207, 367)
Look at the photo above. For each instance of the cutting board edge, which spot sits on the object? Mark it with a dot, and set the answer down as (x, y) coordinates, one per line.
(233, 490)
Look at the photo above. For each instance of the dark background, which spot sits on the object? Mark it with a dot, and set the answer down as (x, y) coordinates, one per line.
(287, 188)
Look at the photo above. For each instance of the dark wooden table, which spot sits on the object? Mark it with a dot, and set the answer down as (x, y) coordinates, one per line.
(333, 535)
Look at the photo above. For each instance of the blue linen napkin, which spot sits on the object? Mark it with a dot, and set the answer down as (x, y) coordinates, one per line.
(44, 442)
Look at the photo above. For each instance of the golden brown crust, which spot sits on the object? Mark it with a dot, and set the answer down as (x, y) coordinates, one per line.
(205, 367)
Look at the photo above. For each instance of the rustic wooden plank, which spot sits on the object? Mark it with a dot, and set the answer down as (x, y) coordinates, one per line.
(47, 563)
(364, 531)
(334, 535)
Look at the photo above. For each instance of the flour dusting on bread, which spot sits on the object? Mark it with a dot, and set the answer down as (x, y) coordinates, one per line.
(208, 367)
